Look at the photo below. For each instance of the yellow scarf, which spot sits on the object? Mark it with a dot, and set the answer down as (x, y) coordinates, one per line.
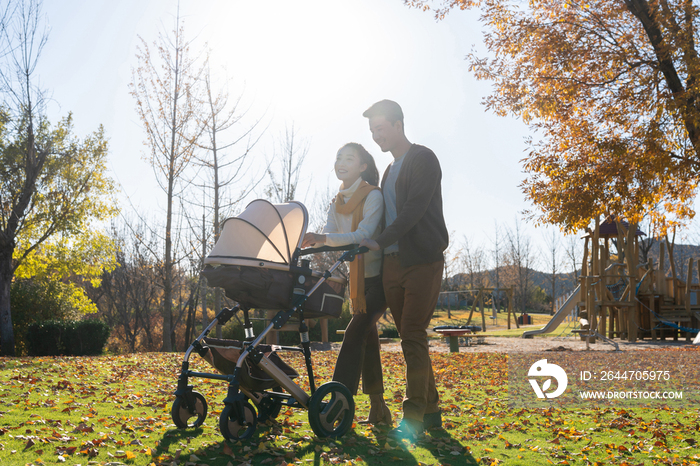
(355, 205)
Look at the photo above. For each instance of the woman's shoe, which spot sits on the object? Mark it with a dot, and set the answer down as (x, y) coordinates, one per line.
(378, 410)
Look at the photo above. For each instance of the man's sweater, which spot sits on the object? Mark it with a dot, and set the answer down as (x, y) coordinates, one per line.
(419, 226)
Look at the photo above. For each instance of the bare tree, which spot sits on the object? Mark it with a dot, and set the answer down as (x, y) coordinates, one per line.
(129, 295)
(497, 257)
(574, 254)
(290, 154)
(451, 266)
(520, 257)
(553, 243)
(473, 260)
(165, 87)
(225, 159)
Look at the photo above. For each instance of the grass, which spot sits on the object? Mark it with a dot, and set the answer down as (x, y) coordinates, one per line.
(114, 410)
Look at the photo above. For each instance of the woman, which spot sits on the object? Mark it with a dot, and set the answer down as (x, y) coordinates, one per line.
(355, 214)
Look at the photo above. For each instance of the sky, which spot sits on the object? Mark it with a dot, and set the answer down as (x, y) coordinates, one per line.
(317, 64)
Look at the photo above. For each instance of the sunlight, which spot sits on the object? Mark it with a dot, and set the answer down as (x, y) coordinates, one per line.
(300, 56)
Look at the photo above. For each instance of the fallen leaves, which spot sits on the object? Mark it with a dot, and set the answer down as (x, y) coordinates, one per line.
(116, 410)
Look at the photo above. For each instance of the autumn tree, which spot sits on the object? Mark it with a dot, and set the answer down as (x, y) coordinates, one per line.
(53, 185)
(610, 90)
(166, 88)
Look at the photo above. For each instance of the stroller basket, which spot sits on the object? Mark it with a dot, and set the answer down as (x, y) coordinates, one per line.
(223, 354)
(272, 288)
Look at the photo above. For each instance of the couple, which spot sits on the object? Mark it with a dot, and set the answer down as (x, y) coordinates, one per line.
(405, 220)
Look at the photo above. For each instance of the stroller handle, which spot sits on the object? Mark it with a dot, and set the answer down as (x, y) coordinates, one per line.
(349, 256)
(347, 247)
(351, 250)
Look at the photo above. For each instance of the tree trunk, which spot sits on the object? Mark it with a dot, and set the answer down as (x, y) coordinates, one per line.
(168, 276)
(685, 99)
(7, 335)
(217, 229)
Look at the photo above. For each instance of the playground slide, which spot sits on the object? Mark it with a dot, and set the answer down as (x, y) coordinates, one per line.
(559, 317)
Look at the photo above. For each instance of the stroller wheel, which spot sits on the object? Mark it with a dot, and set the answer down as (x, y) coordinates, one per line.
(231, 426)
(331, 410)
(181, 414)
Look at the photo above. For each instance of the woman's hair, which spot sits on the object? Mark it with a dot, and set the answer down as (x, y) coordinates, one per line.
(371, 174)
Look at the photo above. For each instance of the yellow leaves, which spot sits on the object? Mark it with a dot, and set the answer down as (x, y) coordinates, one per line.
(610, 138)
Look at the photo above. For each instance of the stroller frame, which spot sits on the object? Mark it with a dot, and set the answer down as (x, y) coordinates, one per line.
(330, 407)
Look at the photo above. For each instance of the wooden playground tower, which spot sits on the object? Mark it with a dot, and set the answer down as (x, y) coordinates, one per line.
(620, 298)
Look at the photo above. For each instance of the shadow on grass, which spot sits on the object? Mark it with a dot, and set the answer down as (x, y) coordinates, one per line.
(437, 443)
(443, 454)
(174, 436)
(436, 446)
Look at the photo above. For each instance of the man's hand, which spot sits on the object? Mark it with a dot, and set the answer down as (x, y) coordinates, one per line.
(312, 239)
(370, 243)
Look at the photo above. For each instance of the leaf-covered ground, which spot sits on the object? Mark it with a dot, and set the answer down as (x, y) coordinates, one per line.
(113, 410)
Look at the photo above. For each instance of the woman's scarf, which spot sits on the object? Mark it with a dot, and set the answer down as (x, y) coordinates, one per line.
(355, 205)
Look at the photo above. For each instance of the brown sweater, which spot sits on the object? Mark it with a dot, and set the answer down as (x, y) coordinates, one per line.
(419, 226)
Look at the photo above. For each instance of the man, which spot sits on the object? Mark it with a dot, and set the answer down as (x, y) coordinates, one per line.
(413, 240)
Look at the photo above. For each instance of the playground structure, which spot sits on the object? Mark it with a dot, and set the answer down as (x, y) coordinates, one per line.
(619, 298)
(484, 295)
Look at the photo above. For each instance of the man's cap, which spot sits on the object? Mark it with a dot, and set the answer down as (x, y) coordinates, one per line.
(386, 108)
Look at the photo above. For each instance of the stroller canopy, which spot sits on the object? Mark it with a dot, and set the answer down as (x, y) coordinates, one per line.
(262, 232)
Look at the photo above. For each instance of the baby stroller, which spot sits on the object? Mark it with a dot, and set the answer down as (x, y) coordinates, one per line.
(256, 260)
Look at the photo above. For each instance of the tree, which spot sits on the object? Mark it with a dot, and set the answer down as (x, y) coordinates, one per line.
(168, 104)
(574, 254)
(520, 258)
(610, 89)
(224, 131)
(451, 265)
(497, 256)
(472, 263)
(291, 155)
(52, 185)
(129, 294)
(554, 262)
(51, 281)
(646, 243)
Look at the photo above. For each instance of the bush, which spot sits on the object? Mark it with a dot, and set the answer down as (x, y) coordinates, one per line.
(34, 301)
(67, 337)
(86, 337)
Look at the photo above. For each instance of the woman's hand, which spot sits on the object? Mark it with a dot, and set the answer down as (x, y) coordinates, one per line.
(312, 239)
(370, 243)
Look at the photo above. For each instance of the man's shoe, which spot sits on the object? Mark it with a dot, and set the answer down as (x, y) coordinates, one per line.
(408, 429)
(432, 420)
